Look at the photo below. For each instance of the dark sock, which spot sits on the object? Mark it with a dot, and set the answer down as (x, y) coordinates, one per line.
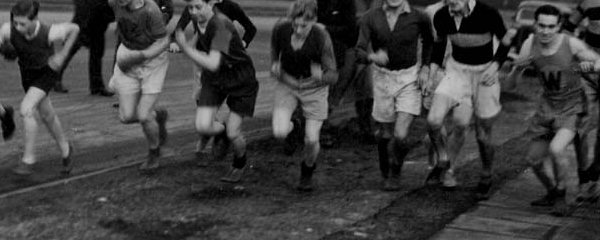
(384, 158)
(306, 171)
(239, 162)
(401, 149)
(154, 152)
(583, 176)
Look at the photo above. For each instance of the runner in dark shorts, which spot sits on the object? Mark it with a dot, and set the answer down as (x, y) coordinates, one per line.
(39, 61)
(227, 73)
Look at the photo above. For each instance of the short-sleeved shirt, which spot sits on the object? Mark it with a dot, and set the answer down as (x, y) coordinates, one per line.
(140, 28)
(220, 35)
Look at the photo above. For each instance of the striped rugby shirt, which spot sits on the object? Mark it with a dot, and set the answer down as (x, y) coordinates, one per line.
(471, 36)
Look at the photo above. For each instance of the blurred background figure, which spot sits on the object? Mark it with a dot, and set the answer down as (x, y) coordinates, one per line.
(93, 18)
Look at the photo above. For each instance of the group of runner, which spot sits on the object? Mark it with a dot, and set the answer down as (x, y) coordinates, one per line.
(316, 54)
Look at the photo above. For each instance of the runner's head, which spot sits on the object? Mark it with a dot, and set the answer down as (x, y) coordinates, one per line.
(458, 5)
(201, 10)
(303, 14)
(547, 23)
(23, 15)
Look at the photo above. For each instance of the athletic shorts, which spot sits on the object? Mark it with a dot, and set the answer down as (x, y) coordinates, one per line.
(313, 102)
(428, 100)
(147, 77)
(543, 126)
(43, 78)
(395, 91)
(462, 84)
(241, 98)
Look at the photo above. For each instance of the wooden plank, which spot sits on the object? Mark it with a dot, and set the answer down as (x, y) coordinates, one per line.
(460, 234)
(589, 233)
(501, 227)
(535, 216)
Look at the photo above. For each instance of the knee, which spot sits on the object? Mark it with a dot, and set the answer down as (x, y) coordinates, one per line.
(400, 135)
(280, 131)
(127, 118)
(434, 121)
(556, 151)
(145, 118)
(311, 140)
(203, 128)
(27, 111)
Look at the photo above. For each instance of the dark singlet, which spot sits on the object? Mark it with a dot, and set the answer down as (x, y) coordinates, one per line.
(32, 53)
(562, 85)
(297, 62)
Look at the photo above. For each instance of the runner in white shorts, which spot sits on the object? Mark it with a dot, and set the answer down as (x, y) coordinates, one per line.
(303, 62)
(393, 32)
(470, 85)
(140, 69)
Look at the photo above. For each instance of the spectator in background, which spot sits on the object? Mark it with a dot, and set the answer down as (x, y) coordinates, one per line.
(93, 18)
(339, 18)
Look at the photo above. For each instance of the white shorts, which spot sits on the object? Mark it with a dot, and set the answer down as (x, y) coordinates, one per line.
(395, 91)
(147, 77)
(462, 84)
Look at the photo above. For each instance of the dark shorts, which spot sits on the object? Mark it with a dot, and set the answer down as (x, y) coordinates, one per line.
(544, 126)
(43, 78)
(240, 99)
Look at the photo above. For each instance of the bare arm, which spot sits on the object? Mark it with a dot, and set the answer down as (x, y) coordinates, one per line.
(65, 35)
(210, 61)
(156, 48)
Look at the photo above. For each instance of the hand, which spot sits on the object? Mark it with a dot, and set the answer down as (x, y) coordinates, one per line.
(316, 71)
(276, 70)
(509, 36)
(380, 57)
(129, 60)
(180, 38)
(597, 66)
(586, 67)
(56, 61)
(490, 75)
(244, 44)
(174, 48)
(423, 80)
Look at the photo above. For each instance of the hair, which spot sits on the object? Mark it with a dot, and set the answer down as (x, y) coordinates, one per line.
(28, 8)
(303, 8)
(548, 10)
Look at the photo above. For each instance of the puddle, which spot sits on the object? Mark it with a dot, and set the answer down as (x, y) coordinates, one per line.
(219, 192)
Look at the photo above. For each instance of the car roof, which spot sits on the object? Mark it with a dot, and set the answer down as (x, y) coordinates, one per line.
(562, 6)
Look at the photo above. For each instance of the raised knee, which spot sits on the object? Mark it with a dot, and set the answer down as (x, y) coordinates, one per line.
(556, 151)
(435, 122)
(27, 112)
(280, 132)
(127, 118)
